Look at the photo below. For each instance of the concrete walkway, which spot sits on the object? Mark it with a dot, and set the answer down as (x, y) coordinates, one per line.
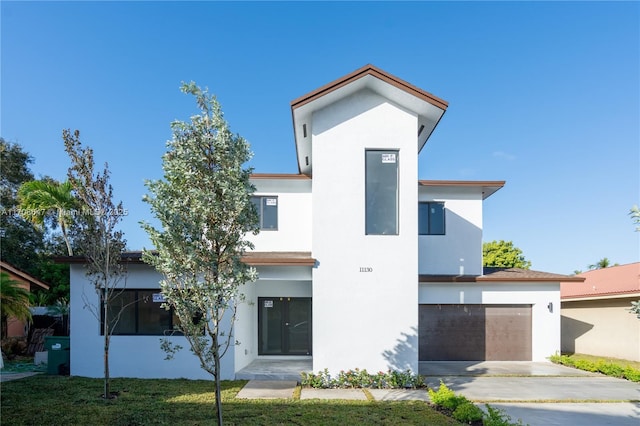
(521, 389)
(6, 377)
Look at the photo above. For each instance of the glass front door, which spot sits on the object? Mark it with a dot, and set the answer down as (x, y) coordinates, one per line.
(284, 326)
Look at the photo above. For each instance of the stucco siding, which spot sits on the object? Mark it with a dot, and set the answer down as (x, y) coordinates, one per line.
(363, 319)
(601, 327)
(459, 251)
(294, 216)
(130, 356)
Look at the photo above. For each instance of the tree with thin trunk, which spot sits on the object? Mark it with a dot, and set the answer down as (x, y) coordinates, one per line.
(100, 242)
(40, 198)
(205, 209)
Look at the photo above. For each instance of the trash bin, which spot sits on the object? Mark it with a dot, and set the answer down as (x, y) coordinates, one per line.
(58, 354)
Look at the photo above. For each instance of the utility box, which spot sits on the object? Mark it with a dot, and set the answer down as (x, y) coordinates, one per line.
(59, 355)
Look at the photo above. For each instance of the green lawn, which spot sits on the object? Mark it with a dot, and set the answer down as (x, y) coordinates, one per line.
(58, 400)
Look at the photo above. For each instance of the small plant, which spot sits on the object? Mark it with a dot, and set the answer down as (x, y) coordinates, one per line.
(497, 417)
(446, 398)
(357, 378)
(467, 412)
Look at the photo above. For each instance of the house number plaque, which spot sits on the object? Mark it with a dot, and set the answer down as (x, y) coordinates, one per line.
(366, 269)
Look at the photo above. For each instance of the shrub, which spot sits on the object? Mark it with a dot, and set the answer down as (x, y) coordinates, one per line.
(467, 412)
(446, 398)
(497, 417)
(612, 369)
(362, 379)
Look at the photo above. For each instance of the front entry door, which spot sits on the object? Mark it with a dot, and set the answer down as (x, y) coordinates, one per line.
(284, 326)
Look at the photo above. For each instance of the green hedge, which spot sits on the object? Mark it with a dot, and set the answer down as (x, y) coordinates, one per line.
(600, 366)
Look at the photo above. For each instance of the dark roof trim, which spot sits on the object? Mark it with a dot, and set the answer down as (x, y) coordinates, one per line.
(502, 275)
(5, 266)
(280, 176)
(375, 72)
(463, 183)
(252, 259)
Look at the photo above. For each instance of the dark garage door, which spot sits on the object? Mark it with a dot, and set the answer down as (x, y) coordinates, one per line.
(475, 332)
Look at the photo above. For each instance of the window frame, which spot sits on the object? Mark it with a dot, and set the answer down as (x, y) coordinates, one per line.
(136, 314)
(261, 205)
(368, 225)
(429, 218)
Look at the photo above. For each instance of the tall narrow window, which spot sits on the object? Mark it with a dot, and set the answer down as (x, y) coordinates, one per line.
(267, 211)
(431, 218)
(381, 196)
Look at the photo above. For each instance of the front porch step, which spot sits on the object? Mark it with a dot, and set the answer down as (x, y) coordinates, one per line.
(274, 369)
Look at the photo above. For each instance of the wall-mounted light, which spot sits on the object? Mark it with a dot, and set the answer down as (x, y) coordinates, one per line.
(421, 129)
(304, 130)
(306, 160)
(550, 307)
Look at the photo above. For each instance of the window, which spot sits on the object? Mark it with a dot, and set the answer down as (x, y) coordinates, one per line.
(431, 218)
(381, 197)
(267, 208)
(142, 313)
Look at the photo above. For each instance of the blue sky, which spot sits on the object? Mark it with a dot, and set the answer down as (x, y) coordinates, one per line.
(543, 95)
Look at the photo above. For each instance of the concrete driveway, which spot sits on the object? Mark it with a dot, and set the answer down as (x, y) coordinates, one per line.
(541, 393)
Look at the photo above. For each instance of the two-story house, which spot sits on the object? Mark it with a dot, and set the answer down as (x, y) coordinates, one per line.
(361, 264)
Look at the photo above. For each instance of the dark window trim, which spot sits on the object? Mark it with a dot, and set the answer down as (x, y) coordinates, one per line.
(174, 331)
(428, 219)
(397, 153)
(260, 211)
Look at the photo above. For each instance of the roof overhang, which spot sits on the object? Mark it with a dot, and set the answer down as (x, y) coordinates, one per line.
(250, 258)
(12, 270)
(426, 106)
(487, 187)
(502, 275)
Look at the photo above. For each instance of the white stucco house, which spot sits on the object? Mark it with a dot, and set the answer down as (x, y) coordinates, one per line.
(360, 263)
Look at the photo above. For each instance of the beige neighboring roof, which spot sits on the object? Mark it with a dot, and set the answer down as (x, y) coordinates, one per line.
(18, 273)
(502, 275)
(488, 186)
(288, 258)
(615, 281)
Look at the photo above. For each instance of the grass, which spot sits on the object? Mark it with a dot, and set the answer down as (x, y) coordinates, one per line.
(613, 367)
(55, 400)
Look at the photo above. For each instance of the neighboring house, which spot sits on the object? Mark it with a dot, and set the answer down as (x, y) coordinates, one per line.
(16, 328)
(361, 264)
(596, 319)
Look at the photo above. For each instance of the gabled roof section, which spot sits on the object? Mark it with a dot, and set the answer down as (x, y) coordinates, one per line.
(605, 283)
(428, 107)
(488, 186)
(20, 274)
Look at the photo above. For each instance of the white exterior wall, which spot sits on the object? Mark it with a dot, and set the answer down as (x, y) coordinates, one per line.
(545, 327)
(363, 319)
(130, 356)
(459, 251)
(294, 215)
(273, 282)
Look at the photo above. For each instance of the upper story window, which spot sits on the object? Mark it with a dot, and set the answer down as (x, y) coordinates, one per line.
(381, 192)
(141, 313)
(431, 218)
(267, 207)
